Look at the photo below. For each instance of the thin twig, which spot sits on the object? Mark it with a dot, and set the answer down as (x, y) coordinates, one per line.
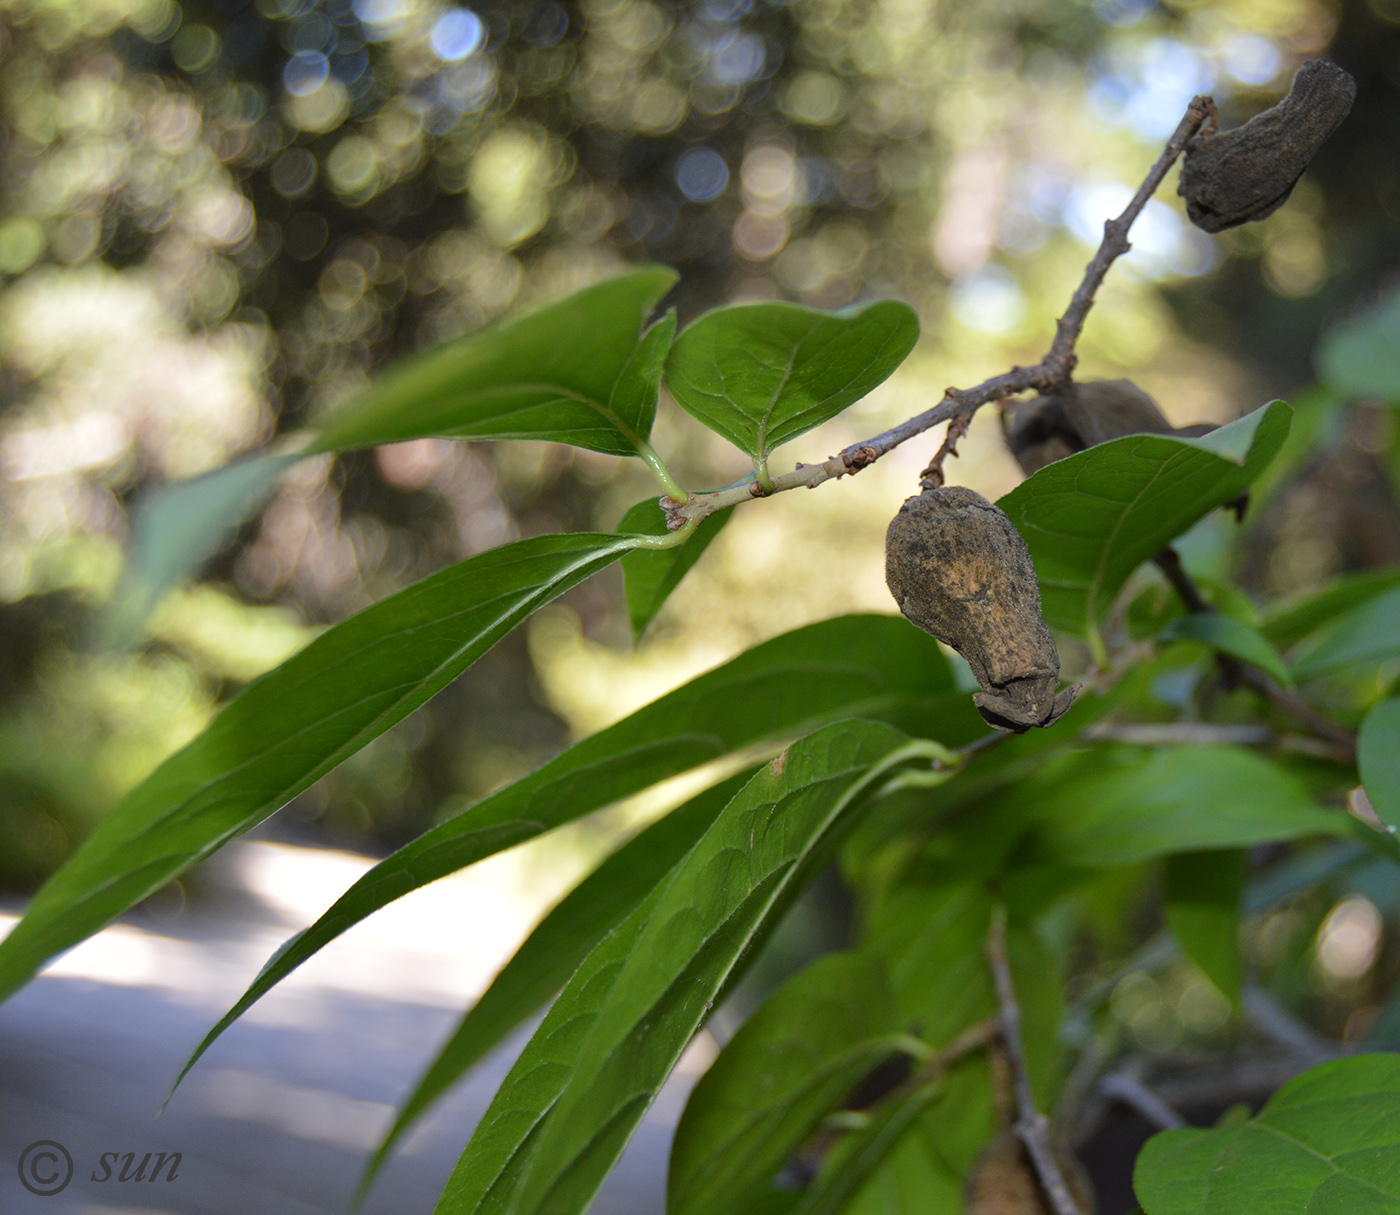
(932, 476)
(1052, 372)
(1237, 674)
(1131, 1091)
(1032, 1126)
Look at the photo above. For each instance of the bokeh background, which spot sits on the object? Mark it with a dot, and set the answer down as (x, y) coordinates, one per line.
(219, 219)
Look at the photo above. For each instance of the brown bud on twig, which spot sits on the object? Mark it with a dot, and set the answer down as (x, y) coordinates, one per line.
(1248, 173)
(1049, 428)
(959, 569)
(1002, 1181)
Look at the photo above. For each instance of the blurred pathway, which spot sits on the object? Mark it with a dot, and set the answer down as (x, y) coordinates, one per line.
(279, 1116)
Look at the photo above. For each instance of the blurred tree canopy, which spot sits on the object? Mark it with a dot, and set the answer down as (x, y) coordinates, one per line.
(218, 218)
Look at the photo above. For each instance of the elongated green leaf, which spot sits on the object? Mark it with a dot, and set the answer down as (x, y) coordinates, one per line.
(489, 1170)
(1288, 622)
(761, 374)
(548, 375)
(1229, 636)
(788, 1067)
(874, 666)
(554, 950)
(724, 897)
(1093, 518)
(911, 1178)
(176, 527)
(885, 1139)
(634, 393)
(1203, 893)
(1378, 758)
(1133, 806)
(293, 726)
(574, 372)
(1367, 633)
(1360, 359)
(1328, 1140)
(651, 574)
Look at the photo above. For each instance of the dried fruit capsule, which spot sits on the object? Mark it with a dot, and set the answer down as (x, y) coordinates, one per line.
(959, 569)
(1248, 173)
(1043, 430)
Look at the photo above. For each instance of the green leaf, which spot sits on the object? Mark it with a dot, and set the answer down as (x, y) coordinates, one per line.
(872, 666)
(501, 1148)
(1131, 806)
(1378, 759)
(727, 894)
(700, 926)
(650, 574)
(1288, 622)
(291, 727)
(556, 947)
(633, 398)
(574, 372)
(1091, 519)
(1327, 1141)
(1203, 893)
(1369, 632)
(761, 374)
(549, 375)
(1360, 359)
(888, 1140)
(1229, 636)
(176, 527)
(911, 1180)
(789, 1066)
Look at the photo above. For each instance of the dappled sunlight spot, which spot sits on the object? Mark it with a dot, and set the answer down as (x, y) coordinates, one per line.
(317, 1114)
(1349, 939)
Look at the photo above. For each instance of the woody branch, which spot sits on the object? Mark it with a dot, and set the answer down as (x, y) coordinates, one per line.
(1052, 372)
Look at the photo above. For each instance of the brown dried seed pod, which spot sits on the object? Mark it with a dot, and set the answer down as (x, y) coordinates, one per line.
(1002, 1181)
(1045, 429)
(1248, 173)
(959, 569)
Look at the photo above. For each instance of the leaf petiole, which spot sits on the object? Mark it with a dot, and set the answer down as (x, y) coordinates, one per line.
(670, 540)
(661, 473)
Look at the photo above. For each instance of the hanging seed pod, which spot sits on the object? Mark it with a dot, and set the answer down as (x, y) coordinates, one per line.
(1002, 1181)
(1049, 428)
(1248, 173)
(959, 569)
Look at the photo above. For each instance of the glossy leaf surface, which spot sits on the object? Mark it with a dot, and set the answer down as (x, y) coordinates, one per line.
(294, 725)
(872, 666)
(558, 944)
(1177, 799)
(789, 1065)
(548, 375)
(761, 374)
(1090, 520)
(1327, 1141)
(693, 932)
